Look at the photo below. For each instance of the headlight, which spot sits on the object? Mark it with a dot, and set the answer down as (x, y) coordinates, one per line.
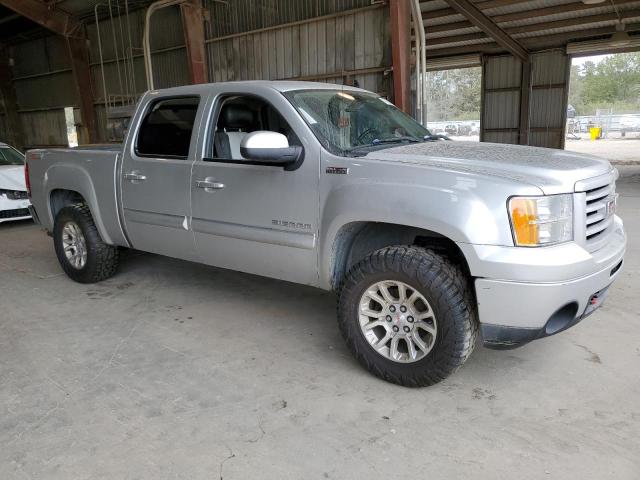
(537, 221)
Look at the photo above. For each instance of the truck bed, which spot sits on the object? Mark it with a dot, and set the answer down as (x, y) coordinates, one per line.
(111, 147)
(90, 171)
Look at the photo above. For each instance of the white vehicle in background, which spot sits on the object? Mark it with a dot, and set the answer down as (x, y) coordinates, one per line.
(14, 202)
(629, 125)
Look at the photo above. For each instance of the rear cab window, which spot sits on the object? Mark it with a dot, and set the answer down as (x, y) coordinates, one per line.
(166, 129)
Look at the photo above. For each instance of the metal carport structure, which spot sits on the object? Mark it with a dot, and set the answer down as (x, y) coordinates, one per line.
(56, 55)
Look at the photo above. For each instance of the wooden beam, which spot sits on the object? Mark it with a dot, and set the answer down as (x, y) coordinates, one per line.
(543, 12)
(45, 15)
(486, 48)
(483, 5)
(79, 56)
(467, 37)
(578, 35)
(401, 53)
(484, 23)
(538, 12)
(193, 26)
(7, 91)
(541, 25)
(447, 27)
(531, 43)
(571, 22)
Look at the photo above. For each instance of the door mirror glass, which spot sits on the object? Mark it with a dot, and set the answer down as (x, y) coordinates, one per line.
(271, 148)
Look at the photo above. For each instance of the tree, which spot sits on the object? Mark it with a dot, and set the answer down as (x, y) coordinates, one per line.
(613, 83)
(454, 94)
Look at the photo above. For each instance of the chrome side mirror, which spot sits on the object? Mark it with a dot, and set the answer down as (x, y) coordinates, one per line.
(271, 148)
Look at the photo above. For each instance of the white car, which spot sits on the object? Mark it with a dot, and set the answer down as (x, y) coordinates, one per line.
(14, 201)
(629, 124)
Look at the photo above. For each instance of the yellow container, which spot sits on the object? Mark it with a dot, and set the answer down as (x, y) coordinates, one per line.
(595, 133)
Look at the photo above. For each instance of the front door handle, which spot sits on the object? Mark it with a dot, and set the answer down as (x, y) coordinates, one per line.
(209, 185)
(134, 177)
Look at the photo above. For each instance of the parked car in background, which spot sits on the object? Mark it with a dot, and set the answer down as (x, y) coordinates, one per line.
(437, 129)
(451, 129)
(464, 129)
(14, 202)
(629, 125)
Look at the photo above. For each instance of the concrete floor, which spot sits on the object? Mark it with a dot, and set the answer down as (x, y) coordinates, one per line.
(176, 370)
(620, 150)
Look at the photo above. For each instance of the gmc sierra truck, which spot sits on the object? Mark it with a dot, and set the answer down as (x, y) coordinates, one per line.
(427, 242)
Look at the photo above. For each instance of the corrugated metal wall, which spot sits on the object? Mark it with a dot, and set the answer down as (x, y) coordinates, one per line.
(549, 92)
(238, 16)
(502, 77)
(322, 40)
(168, 52)
(44, 83)
(326, 49)
(44, 86)
(501, 80)
(313, 48)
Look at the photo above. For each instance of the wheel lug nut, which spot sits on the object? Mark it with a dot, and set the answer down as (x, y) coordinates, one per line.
(396, 328)
(406, 329)
(392, 309)
(403, 309)
(389, 318)
(410, 319)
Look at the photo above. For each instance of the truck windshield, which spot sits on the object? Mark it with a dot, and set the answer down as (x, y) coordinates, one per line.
(349, 122)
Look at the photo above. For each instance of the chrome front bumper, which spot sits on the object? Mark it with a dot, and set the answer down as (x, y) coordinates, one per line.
(549, 290)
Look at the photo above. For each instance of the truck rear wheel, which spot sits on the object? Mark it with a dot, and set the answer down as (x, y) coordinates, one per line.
(83, 255)
(408, 316)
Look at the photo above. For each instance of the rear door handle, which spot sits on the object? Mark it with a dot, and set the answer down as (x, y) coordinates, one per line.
(134, 177)
(209, 185)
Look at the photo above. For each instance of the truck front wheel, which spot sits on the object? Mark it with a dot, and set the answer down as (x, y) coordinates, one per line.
(408, 316)
(83, 255)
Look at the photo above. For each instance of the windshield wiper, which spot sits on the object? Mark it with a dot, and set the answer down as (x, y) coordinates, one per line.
(404, 138)
(376, 142)
(383, 141)
(431, 138)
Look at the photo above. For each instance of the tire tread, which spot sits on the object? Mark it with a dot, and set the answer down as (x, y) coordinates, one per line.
(104, 258)
(446, 284)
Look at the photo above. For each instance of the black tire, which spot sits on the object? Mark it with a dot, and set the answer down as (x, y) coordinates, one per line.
(102, 259)
(446, 289)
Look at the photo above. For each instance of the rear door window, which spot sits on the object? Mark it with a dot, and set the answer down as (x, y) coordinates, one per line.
(165, 131)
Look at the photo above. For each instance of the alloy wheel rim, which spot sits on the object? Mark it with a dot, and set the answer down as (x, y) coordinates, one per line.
(397, 321)
(74, 245)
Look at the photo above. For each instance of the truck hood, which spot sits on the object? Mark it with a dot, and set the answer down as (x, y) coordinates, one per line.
(553, 171)
(12, 177)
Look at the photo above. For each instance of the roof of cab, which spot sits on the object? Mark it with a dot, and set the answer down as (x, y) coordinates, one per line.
(280, 85)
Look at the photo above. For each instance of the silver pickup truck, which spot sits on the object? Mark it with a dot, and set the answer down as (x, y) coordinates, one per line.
(427, 242)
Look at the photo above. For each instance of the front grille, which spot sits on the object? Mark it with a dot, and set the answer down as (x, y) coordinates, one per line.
(15, 194)
(17, 213)
(598, 215)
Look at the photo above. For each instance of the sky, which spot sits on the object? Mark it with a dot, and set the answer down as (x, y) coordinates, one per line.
(594, 58)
